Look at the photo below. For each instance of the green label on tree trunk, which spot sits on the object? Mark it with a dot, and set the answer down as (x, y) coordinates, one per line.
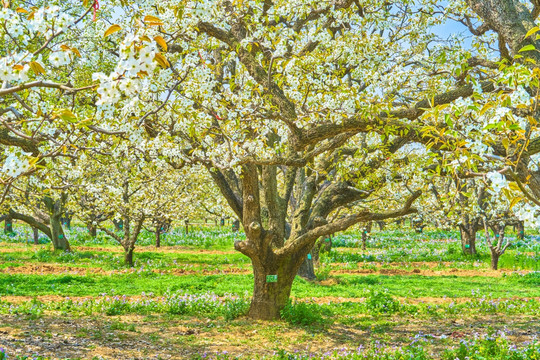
(467, 246)
(271, 278)
(327, 240)
(60, 236)
(309, 256)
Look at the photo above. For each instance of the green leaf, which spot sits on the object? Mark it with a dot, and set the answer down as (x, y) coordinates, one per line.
(448, 120)
(527, 48)
(66, 114)
(514, 202)
(532, 31)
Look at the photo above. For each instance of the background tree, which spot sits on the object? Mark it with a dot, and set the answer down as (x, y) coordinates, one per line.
(132, 190)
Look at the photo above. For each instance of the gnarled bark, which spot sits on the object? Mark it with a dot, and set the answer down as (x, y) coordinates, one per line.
(35, 233)
(56, 211)
(8, 225)
(306, 269)
(498, 245)
(366, 231)
(468, 229)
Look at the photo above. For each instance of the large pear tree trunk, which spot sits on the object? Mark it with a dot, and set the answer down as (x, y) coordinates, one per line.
(272, 288)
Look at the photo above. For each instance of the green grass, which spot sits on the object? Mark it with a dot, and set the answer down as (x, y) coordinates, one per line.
(389, 309)
(412, 286)
(110, 261)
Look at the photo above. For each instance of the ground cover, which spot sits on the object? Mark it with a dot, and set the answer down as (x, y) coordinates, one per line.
(407, 296)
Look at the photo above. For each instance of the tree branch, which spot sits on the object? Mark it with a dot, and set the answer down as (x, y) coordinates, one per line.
(344, 223)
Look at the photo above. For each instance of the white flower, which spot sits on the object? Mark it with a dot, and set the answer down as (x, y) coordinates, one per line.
(60, 58)
(498, 181)
(520, 96)
(6, 71)
(23, 73)
(16, 162)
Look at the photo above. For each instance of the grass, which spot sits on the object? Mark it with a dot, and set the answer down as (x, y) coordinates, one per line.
(187, 298)
(412, 286)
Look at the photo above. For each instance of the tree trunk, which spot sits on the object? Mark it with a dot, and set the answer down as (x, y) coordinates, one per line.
(36, 236)
(92, 229)
(494, 260)
(468, 238)
(235, 225)
(306, 269)
(158, 237)
(381, 224)
(520, 229)
(128, 256)
(269, 297)
(8, 225)
(418, 225)
(58, 237)
(66, 221)
(118, 225)
(316, 252)
(365, 235)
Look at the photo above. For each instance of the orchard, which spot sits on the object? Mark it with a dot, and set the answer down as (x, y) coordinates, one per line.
(285, 179)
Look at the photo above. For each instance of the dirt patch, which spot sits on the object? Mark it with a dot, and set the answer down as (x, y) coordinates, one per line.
(128, 337)
(221, 271)
(427, 272)
(47, 269)
(329, 282)
(13, 248)
(60, 269)
(17, 247)
(161, 249)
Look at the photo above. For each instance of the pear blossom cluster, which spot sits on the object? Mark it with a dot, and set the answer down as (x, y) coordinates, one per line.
(16, 162)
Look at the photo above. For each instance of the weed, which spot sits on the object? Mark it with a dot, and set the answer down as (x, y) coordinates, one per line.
(300, 313)
(381, 302)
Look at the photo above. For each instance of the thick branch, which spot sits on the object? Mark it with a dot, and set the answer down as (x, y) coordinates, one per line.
(41, 83)
(226, 190)
(344, 223)
(31, 221)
